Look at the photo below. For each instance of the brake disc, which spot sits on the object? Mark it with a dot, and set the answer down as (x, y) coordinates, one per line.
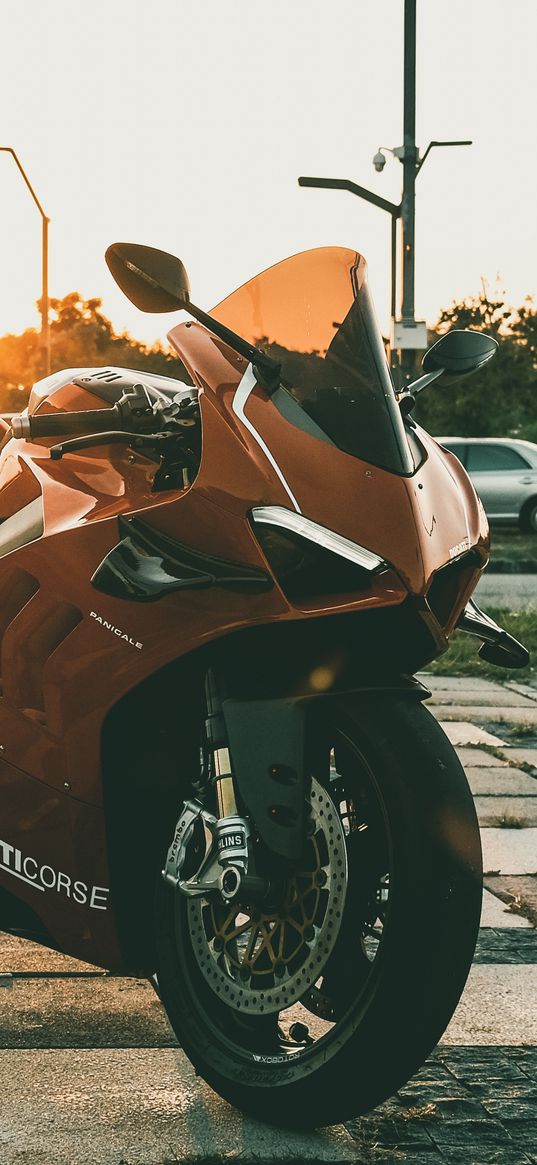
(260, 962)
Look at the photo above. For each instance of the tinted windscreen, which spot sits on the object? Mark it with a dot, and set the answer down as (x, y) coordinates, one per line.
(313, 313)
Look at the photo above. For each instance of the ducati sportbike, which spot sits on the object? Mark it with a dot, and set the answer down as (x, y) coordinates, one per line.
(217, 770)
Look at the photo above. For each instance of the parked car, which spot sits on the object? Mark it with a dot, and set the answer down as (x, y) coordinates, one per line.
(504, 472)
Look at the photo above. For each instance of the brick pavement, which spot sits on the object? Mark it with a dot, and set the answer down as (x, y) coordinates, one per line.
(90, 1070)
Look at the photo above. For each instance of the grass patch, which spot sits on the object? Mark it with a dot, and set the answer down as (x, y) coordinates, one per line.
(462, 659)
(512, 544)
(509, 821)
(521, 731)
(419, 1113)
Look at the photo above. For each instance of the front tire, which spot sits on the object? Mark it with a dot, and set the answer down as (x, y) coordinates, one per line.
(405, 945)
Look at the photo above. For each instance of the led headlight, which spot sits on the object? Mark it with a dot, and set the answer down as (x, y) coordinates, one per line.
(307, 559)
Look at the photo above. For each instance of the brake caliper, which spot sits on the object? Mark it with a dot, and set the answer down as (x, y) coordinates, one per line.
(225, 862)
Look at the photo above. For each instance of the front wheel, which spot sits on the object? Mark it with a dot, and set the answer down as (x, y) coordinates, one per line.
(320, 1011)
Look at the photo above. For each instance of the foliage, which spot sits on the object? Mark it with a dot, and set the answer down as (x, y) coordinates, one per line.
(499, 401)
(80, 336)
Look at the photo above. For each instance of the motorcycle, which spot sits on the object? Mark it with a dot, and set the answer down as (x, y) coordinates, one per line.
(216, 767)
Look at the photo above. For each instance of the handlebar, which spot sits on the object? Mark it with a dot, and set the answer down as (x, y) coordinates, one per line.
(60, 424)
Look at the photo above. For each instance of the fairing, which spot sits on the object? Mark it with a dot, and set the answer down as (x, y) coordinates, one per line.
(70, 654)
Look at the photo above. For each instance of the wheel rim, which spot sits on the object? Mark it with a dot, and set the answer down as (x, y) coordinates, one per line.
(312, 1009)
(263, 962)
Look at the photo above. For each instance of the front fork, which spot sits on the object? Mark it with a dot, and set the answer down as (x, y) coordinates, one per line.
(225, 867)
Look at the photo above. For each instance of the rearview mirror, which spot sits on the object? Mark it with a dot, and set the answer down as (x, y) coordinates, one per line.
(156, 281)
(459, 353)
(153, 280)
(453, 356)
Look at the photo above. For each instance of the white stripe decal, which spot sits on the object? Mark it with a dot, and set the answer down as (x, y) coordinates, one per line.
(14, 874)
(245, 387)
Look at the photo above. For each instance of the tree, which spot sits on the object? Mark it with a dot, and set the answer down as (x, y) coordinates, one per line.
(501, 400)
(80, 336)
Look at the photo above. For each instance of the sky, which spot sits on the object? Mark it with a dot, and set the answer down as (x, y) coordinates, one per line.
(185, 126)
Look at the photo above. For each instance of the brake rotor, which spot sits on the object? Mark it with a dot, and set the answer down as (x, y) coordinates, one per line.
(263, 962)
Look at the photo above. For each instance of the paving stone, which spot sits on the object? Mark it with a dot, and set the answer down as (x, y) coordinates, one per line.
(495, 913)
(140, 1106)
(524, 689)
(493, 811)
(17, 954)
(77, 1013)
(482, 1155)
(480, 699)
(390, 1131)
(501, 781)
(512, 1108)
(453, 683)
(459, 732)
(489, 1133)
(521, 888)
(478, 758)
(509, 851)
(506, 945)
(498, 1006)
(526, 756)
(499, 714)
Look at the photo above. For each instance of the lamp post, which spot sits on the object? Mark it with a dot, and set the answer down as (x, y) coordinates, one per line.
(45, 331)
(408, 334)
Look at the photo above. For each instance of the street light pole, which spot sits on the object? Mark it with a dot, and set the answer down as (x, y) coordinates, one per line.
(409, 160)
(376, 200)
(407, 333)
(45, 329)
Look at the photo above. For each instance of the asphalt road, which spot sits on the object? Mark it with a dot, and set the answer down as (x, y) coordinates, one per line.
(516, 592)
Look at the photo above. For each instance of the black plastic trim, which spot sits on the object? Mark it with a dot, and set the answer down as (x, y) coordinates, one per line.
(146, 565)
(498, 646)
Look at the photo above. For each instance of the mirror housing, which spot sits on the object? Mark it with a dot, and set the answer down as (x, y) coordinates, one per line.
(153, 280)
(459, 353)
(156, 281)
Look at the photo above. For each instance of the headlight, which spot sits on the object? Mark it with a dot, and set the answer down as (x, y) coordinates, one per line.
(307, 559)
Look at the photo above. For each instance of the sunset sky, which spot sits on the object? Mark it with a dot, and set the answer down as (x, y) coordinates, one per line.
(185, 126)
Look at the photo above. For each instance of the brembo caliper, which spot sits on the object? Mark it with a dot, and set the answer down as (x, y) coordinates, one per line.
(225, 862)
(224, 866)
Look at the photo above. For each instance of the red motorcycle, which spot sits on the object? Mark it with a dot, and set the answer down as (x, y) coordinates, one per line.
(216, 765)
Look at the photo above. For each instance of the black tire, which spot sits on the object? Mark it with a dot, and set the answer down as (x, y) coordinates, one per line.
(397, 1011)
(528, 517)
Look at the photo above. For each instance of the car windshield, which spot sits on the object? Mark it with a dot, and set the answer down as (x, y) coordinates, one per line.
(313, 314)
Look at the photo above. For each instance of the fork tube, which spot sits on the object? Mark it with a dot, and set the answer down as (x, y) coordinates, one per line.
(220, 768)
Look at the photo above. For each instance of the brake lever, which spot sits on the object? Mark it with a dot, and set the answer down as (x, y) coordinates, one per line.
(114, 437)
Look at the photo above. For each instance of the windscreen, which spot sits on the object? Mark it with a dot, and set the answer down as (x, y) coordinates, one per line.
(313, 314)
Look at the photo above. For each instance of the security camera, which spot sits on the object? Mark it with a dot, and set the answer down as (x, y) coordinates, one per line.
(379, 161)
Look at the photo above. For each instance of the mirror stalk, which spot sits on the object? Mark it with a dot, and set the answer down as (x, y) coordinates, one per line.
(422, 382)
(267, 370)
(407, 399)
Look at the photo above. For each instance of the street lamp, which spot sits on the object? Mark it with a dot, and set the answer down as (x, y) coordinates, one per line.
(408, 334)
(45, 332)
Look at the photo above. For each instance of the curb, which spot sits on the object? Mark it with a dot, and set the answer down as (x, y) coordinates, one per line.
(507, 566)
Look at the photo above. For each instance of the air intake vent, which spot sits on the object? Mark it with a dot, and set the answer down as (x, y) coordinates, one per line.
(448, 584)
(26, 649)
(32, 628)
(16, 589)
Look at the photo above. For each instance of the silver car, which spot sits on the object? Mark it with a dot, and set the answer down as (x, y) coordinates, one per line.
(504, 473)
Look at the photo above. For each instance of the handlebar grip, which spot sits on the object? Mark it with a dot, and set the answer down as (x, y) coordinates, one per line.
(59, 424)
